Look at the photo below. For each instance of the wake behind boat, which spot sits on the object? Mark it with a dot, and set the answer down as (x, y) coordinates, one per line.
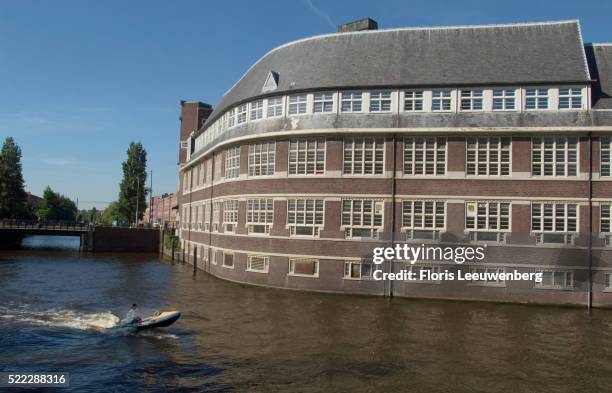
(163, 319)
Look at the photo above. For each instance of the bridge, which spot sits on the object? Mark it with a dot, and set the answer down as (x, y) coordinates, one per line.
(94, 237)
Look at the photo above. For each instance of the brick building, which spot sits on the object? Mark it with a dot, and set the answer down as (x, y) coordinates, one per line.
(496, 135)
(163, 210)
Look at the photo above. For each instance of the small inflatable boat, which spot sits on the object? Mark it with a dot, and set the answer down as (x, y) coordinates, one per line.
(163, 319)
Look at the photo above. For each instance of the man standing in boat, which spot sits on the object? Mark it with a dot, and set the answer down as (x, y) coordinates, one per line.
(133, 315)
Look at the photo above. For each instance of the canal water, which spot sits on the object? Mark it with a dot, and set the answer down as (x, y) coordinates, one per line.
(59, 312)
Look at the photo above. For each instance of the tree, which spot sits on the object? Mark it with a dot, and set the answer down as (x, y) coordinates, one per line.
(91, 215)
(132, 193)
(13, 198)
(56, 207)
(112, 214)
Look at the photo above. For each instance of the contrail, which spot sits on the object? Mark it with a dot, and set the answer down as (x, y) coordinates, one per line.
(321, 13)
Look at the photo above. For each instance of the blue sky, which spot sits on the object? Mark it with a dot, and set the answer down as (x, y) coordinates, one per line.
(80, 80)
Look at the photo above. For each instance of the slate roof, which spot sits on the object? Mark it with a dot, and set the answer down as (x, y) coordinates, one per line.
(599, 57)
(547, 52)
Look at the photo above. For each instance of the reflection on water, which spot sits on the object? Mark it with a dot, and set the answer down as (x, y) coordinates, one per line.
(50, 243)
(59, 311)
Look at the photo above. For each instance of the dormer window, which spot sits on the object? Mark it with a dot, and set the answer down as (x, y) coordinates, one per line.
(471, 100)
(536, 99)
(570, 98)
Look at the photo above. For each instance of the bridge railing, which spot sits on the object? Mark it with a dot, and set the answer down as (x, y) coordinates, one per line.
(44, 225)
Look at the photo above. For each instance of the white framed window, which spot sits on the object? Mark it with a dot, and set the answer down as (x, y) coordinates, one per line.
(260, 215)
(216, 216)
(262, 158)
(298, 104)
(424, 156)
(230, 215)
(488, 156)
(275, 107)
(504, 99)
(423, 215)
(424, 273)
(231, 118)
(554, 217)
(359, 270)
(362, 218)
(207, 209)
(536, 98)
(605, 161)
(323, 103)
(570, 98)
(232, 162)
(350, 101)
(554, 156)
(441, 100)
(380, 101)
(555, 279)
(228, 260)
(198, 212)
(305, 267)
(306, 156)
(608, 282)
(488, 276)
(204, 253)
(257, 263)
(487, 216)
(605, 218)
(364, 156)
(257, 110)
(241, 114)
(305, 216)
(413, 101)
(471, 100)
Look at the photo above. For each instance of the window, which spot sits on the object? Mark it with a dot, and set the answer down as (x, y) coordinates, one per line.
(424, 156)
(488, 276)
(323, 103)
(261, 158)
(228, 260)
(231, 117)
(441, 100)
(555, 279)
(554, 156)
(260, 215)
(206, 216)
(413, 101)
(605, 218)
(362, 218)
(606, 148)
(241, 116)
(257, 263)
(471, 100)
(257, 110)
(358, 270)
(504, 99)
(275, 106)
(232, 162)
(428, 215)
(304, 267)
(305, 216)
(488, 156)
(424, 274)
(487, 216)
(297, 104)
(230, 215)
(570, 98)
(351, 101)
(380, 101)
(608, 282)
(536, 99)
(306, 156)
(198, 213)
(216, 211)
(364, 156)
(554, 217)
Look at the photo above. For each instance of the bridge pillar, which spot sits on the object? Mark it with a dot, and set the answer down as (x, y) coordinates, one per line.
(84, 244)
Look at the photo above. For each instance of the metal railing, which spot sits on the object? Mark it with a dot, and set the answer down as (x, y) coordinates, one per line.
(45, 225)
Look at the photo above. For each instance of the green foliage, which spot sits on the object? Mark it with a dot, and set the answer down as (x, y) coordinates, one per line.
(112, 214)
(91, 215)
(56, 207)
(132, 191)
(13, 199)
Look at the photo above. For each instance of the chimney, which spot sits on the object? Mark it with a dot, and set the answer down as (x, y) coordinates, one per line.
(358, 25)
(193, 116)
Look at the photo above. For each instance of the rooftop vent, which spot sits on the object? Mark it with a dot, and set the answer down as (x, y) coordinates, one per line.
(358, 25)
